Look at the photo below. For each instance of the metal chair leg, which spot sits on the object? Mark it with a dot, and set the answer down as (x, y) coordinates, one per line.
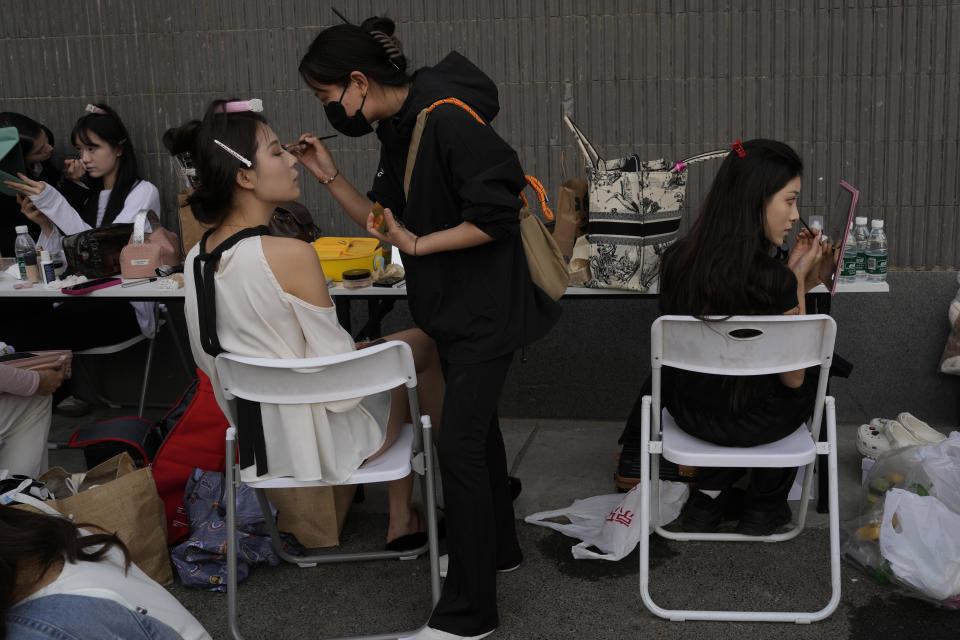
(230, 478)
(185, 359)
(146, 377)
(426, 486)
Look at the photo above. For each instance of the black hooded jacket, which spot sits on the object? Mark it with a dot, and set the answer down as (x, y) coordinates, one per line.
(477, 303)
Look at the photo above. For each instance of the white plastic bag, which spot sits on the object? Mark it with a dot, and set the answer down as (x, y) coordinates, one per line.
(611, 523)
(923, 545)
(942, 466)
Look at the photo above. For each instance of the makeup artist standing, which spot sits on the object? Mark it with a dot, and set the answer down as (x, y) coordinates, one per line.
(468, 283)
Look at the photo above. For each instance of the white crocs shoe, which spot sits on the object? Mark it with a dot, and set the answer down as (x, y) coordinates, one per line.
(871, 441)
(920, 429)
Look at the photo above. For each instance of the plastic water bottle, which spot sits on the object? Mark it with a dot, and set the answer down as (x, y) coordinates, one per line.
(26, 251)
(848, 268)
(862, 235)
(877, 253)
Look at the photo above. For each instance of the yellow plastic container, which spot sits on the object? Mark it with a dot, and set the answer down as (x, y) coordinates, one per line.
(340, 254)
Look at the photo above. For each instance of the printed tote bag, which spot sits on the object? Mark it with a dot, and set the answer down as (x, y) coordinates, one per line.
(635, 209)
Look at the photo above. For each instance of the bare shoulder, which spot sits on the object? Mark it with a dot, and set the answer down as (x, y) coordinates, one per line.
(282, 251)
(297, 268)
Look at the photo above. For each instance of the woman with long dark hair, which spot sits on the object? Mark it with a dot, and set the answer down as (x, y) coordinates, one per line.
(468, 284)
(267, 297)
(116, 193)
(59, 580)
(109, 160)
(725, 266)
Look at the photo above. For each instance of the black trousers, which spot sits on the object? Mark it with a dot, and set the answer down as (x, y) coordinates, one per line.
(775, 418)
(481, 530)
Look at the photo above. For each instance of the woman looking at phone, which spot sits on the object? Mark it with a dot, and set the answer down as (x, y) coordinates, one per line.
(724, 266)
(468, 284)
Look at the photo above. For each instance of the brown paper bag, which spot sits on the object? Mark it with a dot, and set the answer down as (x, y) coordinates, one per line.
(579, 265)
(121, 499)
(571, 213)
(315, 515)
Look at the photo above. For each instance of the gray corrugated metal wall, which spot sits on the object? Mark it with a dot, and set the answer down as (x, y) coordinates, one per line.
(867, 91)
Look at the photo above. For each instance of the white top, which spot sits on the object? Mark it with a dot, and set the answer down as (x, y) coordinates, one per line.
(256, 317)
(66, 220)
(53, 205)
(106, 579)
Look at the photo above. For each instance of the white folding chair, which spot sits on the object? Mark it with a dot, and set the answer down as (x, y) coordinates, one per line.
(328, 379)
(740, 346)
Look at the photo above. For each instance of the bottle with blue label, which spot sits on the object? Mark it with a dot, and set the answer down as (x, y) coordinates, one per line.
(47, 272)
(862, 235)
(877, 253)
(848, 268)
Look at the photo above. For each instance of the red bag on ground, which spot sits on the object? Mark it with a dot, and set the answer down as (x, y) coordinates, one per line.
(196, 440)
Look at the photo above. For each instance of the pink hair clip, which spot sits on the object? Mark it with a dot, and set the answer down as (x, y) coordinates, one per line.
(738, 147)
(680, 166)
(237, 106)
(94, 109)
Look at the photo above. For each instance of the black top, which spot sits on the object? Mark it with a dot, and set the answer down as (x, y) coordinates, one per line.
(740, 411)
(477, 303)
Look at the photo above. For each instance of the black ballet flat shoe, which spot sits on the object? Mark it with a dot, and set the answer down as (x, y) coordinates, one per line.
(408, 542)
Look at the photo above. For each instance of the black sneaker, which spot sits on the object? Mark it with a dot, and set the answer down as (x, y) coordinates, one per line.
(703, 514)
(763, 520)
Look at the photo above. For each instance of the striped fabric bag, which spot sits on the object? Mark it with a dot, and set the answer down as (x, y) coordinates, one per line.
(635, 209)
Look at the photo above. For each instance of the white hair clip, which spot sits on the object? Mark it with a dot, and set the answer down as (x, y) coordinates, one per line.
(94, 109)
(233, 153)
(237, 106)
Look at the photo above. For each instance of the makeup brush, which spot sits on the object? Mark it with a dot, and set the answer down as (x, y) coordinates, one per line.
(294, 145)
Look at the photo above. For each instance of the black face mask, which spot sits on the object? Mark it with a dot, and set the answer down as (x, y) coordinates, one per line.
(353, 126)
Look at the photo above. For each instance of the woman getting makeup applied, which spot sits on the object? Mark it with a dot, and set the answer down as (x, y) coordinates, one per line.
(267, 297)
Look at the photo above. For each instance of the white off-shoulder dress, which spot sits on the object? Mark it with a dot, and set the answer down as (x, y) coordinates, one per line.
(256, 317)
